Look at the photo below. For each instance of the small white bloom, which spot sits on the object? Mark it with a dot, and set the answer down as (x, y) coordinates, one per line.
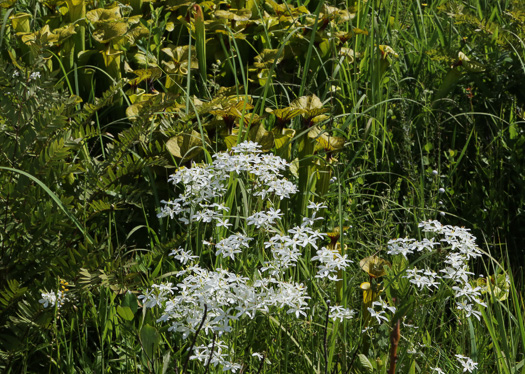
(467, 363)
(377, 315)
(52, 298)
(468, 309)
(338, 312)
(316, 206)
(223, 223)
(182, 255)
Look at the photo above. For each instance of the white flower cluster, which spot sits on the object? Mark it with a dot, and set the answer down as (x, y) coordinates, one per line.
(467, 363)
(331, 262)
(204, 183)
(462, 246)
(213, 354)
(264, 219)
(232, 245)
(423, 278)
(52, 298)
(406, 246)
(339, 313)
(219, 298)
(227, 297)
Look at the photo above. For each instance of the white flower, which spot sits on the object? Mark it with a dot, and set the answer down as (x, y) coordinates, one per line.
(467, 363)
(264, 219)
(316, 206)
(52, 298)
(406, 246)
(427, 280)
(223, 223)
(403, 246)
(157, 295)
(34, 75)
(437, 370)
(458, 274)
(468, 291)
(331, 262)
(377, 315)
(468, 309)
(338, 312)
(247, 147)
(182, 255)
(230, 246)
(384, 305)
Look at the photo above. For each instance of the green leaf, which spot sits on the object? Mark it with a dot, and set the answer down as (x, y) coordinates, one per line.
(200, 41)
(165, 362)
(125, 312)
(130, 301)
(367, 365)
(100, 14)
(106, 31)
(412, 369)
(149, 337)
(157, 270)
(185, 146)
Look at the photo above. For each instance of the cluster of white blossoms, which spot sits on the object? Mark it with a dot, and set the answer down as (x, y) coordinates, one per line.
(205, 183)
(467, 364)
(218, 298)
(49, 299)
(461, 247)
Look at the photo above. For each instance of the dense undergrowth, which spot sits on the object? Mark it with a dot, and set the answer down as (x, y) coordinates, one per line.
(383, 115)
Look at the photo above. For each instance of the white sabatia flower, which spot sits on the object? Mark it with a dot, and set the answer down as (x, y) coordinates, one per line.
(331, 262)
(384, 305)
(230, 246)
(458, 274)
(182, 255)
(467, 363)
(223, 223)
(468, 309)
(337, 312)
(407, 246)
(316, 206)
(264, 219)
(422, 278)
(471, 293)
(377, 315)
